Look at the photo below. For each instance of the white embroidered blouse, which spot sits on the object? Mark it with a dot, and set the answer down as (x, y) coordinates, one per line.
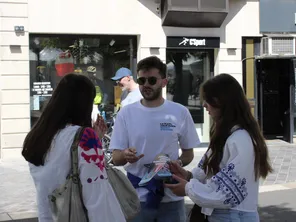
(98, 196)
(234, 187)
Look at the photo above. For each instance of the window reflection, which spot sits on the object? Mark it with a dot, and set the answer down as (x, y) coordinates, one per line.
(98, 57)
(187, 70)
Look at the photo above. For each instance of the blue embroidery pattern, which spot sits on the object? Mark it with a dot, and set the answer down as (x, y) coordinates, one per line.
(201, 162)
(231, 185)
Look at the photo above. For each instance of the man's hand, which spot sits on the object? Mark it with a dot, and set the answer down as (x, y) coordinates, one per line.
(179, 188)
(130, 155)
(186, 156)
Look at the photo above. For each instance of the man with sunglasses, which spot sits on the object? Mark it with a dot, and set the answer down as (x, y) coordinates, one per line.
(150, 127)
(130, 89)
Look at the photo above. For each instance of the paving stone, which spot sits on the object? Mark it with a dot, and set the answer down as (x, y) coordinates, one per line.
(280, 181)
(278, 161)
(268, 182)
(272, 176)
(22, 215)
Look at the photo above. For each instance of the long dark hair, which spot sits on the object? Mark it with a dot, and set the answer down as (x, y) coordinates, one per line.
(225, 93)
(71, 103)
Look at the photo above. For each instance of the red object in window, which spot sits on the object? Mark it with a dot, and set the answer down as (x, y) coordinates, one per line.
(64, 63)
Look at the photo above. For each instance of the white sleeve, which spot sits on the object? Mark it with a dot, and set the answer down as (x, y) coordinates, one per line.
(198, 172)
(119, 138)
(228, 188)
(188, 137)
(98, 196)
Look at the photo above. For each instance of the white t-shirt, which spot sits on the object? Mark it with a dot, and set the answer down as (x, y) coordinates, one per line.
(98, 196)
(153, 131)
(133, 96)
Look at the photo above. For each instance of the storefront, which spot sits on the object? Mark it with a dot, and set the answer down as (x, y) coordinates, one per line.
(42, 39)
(190, 62)
(54, 56)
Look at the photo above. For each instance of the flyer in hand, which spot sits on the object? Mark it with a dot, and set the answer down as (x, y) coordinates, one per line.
(159, 169)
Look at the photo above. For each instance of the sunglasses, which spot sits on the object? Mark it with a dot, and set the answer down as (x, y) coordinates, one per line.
(119, 80)
(151, 80)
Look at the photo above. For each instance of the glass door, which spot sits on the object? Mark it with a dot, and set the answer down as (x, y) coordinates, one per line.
(187, 70)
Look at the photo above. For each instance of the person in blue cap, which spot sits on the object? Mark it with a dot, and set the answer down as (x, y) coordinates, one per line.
(129, 87)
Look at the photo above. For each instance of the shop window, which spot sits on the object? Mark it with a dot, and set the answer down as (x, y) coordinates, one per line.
(187, 70)
(54, 56)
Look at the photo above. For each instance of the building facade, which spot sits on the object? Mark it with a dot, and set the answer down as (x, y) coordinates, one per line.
(42, 40)
(274, 69)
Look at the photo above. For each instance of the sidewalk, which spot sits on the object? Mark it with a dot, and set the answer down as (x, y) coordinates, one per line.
(18, 195)
(278, 206)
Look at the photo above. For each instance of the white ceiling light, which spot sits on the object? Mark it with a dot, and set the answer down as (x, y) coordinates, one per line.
(112, 42)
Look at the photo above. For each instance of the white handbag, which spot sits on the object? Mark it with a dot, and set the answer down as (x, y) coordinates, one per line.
(125, 192)
(66, 201)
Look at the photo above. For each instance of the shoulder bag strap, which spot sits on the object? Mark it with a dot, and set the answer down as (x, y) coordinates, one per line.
(74, 165)
(74, 154)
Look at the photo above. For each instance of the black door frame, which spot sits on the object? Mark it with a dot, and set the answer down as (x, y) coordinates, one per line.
(259, 95)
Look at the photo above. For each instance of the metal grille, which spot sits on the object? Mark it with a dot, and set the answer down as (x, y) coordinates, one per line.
(282, 45)
(213, 4)
(264, 46)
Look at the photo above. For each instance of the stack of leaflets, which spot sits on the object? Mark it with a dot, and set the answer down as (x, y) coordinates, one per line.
(158, 169)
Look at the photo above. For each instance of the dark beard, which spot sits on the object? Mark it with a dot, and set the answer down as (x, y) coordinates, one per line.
(154, 95)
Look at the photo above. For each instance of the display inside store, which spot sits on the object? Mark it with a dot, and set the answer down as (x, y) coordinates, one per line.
(54, 56)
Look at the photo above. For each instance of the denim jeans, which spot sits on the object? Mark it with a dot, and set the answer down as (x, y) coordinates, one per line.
(167, 212)
(229, 215)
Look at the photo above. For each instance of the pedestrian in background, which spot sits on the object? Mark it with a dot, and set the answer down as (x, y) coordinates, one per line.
(130, 89)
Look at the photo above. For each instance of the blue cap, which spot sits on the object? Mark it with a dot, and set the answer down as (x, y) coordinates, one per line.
(122, 72)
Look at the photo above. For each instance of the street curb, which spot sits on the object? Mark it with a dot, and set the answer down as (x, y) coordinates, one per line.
(19, 217)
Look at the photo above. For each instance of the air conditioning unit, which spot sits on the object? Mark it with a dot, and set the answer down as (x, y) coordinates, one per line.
(277, 46)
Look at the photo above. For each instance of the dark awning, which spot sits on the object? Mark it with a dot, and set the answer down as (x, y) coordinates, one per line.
(194, 13)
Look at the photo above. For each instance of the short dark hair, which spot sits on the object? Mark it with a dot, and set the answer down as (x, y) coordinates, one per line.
(153, 62)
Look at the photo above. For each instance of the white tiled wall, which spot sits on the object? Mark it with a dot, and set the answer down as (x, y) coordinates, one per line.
(122, 17)
(14, 74)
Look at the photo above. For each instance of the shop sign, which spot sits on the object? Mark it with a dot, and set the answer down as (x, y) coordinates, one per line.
(42, 88)
(193, 42)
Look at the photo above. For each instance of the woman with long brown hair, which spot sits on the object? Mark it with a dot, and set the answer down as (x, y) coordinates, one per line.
(47, 148)
(225, 183)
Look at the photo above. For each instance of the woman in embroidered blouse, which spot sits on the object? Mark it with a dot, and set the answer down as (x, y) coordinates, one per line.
(225, 183)
(47, 148)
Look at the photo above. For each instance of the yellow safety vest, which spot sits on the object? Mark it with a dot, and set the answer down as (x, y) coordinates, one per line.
(99, 96)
